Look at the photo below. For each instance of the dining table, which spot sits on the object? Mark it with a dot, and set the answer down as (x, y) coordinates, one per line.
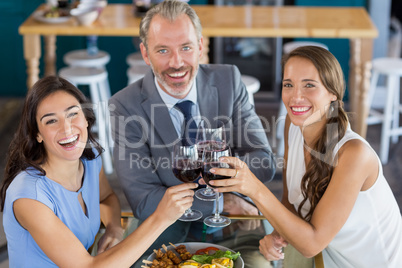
(352, 23)
(241, 235)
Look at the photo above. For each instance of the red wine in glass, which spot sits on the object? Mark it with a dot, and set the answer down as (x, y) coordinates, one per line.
(187, 170)
(208, 176)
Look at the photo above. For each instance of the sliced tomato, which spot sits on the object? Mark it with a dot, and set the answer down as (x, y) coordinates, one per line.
(206, 250)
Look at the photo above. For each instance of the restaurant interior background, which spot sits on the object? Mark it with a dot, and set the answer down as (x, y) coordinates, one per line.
(253, 56)
(258, 53)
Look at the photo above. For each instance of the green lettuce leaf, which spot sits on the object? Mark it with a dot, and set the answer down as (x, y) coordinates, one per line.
(207, 259)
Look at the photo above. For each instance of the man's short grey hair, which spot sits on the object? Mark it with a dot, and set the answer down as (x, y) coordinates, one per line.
(171, 10)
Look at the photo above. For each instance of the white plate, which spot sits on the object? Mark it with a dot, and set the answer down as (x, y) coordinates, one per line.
(192, 247)
(38, 15)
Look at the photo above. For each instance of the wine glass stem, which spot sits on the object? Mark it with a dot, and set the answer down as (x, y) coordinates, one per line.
(208, 190)
(188, 212)
(217, 216)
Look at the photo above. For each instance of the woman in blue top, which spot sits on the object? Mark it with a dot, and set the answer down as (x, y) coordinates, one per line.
(55, 193)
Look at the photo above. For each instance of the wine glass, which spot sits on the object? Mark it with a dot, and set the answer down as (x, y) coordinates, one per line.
(209, 138)
(186, 166)
(211, 160)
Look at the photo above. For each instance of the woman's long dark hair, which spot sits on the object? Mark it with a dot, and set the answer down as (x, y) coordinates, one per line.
(25, 151)
(320, 168)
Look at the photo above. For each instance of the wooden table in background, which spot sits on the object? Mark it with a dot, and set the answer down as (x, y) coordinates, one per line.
(230, 21)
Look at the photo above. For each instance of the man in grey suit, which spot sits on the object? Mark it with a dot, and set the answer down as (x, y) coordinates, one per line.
(146, 125)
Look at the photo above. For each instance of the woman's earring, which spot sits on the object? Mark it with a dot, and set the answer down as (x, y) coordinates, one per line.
(332, 104)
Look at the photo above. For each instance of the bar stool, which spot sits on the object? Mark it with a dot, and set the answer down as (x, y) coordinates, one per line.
(252, 85)
(289, 46)
(81, 58)
(391, 68)
(280, 129)
(96, 79)
(135, 73)
(137, 67)
(280, 123)
(135, 59)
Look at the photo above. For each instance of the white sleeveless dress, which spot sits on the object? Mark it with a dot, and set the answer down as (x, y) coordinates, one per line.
(372, 235)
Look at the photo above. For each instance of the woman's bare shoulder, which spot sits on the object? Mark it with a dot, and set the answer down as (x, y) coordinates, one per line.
(357, 149)
(358, 158)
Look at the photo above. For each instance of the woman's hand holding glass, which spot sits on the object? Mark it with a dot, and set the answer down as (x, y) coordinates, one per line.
(176, 200)
(242, 180)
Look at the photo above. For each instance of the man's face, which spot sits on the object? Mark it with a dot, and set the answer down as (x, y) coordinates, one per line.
(173, 53)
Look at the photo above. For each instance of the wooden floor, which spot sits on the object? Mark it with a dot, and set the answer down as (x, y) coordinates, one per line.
(10, 111)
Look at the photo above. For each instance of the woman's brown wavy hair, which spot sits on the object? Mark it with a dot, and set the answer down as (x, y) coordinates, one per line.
(25, 151)
(320, 168)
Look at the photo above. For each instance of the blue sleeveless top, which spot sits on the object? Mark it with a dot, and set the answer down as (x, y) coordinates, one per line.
(22, 248)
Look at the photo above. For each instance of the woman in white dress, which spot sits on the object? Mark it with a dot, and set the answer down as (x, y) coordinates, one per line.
(335, 197)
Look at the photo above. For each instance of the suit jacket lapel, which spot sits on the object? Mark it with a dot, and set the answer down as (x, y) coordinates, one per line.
(158, 115)
(207, 96)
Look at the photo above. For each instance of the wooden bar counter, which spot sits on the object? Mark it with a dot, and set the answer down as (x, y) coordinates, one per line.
(230, 21)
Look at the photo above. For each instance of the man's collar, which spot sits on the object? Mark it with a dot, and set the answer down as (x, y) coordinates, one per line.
(171, 101)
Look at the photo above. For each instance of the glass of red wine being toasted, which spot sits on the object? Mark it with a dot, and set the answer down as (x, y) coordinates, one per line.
(210, 137)
(211, 160)
(186, 166)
